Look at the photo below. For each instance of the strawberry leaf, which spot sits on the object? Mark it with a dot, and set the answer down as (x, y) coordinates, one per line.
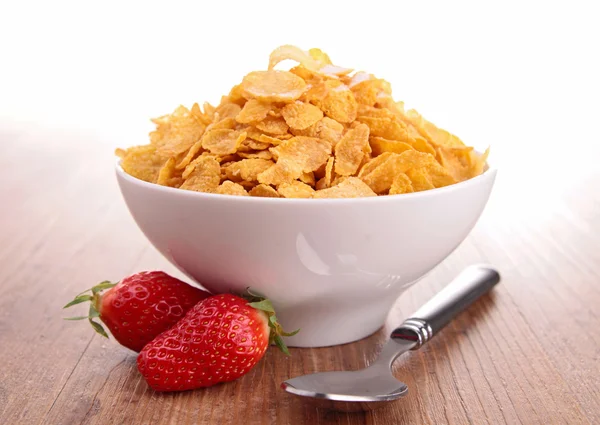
(106, 284)
(98, 328)
(95, 302)
(102, 286)
(290, 333)
(264, 305)
(79, 299)
(279, 342)
(93, 312)
(275, 329)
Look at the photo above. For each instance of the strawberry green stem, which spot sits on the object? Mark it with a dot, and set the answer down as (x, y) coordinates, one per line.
(95, 301)
(275, 329)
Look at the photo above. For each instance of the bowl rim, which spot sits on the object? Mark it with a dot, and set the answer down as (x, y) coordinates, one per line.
(488, 172)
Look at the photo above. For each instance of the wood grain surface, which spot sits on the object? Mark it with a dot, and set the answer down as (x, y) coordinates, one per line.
(527, 354)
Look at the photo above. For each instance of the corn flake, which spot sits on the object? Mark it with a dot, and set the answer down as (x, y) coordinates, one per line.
(381, 178)
(247, 169)
(308, 152)
(205, 175)
(169, 175)
(273, 140)
(296, 54)
(325, 129)
(420, 179)
(177, 132)
(228, 110)
(325, 182)
(350, 151)
(320, 56)
(316, 92)
(374, 163)
(284, 171)
(248, 185)
(226, 123)
(307, 75)
(335, 71)
(251, 144)
(264, 191)
(231, 188)
(143, 162)
(308, 178)
(422, 145)
(478, 162)
(273, 125)
(387, 128)
(352, 187)
(273, 86)
(371, 111)
(300, 115)
(200, 115)
(401, 184)
(295, 189)
(222, 141)
(338, 179)
(367, 88)
(380, 145)
(253, 112)
(439, 136)
(236, 95)
(256, 154)
(339, 104)
(275, 111)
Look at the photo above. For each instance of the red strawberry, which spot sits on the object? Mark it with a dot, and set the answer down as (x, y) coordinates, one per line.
(218, 340)
(140, 307)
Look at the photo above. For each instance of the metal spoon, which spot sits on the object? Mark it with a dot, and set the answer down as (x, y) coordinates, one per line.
(371, 387)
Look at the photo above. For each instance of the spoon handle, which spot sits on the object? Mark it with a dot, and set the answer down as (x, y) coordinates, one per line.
(464, 290)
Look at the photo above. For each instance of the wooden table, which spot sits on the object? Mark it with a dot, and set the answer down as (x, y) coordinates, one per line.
(529, 353)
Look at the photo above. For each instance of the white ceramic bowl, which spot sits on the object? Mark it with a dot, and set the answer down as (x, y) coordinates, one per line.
(332, 267)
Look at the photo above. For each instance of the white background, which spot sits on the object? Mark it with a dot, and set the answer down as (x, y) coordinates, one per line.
(521, 77)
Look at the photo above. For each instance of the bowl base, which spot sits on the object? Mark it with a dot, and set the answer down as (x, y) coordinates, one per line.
(321, 330)
(358, 337)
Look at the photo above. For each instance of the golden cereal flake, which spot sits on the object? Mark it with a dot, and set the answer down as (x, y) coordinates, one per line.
(248, 169)
(223, 141)
(352, 187)
(264, 191)
(205, 176)
(143, 162)
(231, 188)
(295, 189)
(273, 86)
(401, 184)
(253, 111)
(300, 115)
(350, 151)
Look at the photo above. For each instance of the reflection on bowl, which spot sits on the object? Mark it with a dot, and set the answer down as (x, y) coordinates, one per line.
(332, 267)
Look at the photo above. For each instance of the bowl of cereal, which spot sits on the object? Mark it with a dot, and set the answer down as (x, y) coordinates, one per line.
(310, 186)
